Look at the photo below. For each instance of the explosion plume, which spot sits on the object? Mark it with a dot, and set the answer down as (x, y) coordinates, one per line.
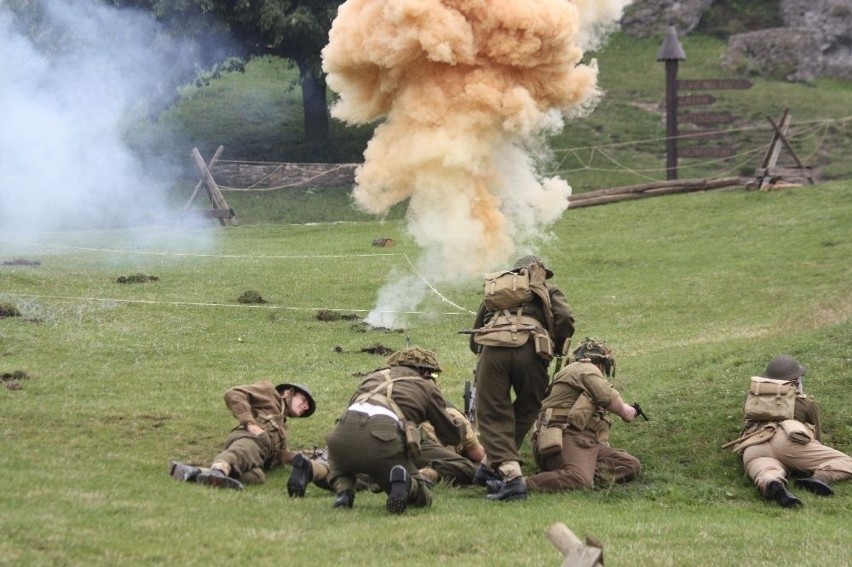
(466, 89)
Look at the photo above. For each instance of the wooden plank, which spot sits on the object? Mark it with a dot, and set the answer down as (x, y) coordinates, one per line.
(695, 100)
(704, 84)
(213, 191)
(771, 157)
(707, 117)
(200, 183)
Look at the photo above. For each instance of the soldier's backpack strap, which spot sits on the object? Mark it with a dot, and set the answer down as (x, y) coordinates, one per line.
(385, 398)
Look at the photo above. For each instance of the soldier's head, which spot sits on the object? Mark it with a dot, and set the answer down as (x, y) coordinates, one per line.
(597, 353)
(784, 367)
(300, 402)
(530, 260)
(422, 360)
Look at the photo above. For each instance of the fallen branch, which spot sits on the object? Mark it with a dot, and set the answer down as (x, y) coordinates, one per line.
(656, 188)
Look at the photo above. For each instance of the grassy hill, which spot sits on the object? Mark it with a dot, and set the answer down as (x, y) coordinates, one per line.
(694, 292)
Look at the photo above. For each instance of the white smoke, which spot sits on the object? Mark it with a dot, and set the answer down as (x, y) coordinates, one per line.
(67, 111)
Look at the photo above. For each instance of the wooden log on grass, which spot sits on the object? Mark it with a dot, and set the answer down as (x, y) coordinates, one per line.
(669, 187)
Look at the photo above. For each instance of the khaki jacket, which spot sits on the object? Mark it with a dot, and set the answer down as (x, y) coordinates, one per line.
(262, 405)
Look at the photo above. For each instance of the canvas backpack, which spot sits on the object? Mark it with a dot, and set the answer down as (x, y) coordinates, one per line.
(770, 400)
(507, 289)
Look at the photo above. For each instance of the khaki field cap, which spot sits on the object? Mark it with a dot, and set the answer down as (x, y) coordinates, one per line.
(596, 351)
(415, 357)
(784, 367)
(527, 261)
(302, 389)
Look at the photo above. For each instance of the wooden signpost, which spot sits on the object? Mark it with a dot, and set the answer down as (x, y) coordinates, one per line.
(671, 53)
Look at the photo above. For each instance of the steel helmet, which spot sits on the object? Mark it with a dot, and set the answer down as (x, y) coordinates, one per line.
(302, 389)
(415, 357)
(527, 261)
(784, 367)
(596, 351)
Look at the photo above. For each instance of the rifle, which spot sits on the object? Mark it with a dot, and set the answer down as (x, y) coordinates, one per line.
(470, 400)
(639, 411)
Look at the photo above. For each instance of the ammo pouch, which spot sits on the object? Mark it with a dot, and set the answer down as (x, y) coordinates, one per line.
(412, 437)
(581, 412)
(543, 344)
(797, 431)
(549, 440)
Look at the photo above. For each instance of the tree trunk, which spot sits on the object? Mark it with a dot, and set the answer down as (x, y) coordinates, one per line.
(315, 105)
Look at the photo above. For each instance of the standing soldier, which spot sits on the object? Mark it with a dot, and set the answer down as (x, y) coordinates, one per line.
(571, 441)
(260, 440)
(515, 344)
(784, 436)
(378, 434)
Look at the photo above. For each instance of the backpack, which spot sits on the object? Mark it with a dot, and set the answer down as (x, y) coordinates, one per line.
(770, 400)
(507, 289)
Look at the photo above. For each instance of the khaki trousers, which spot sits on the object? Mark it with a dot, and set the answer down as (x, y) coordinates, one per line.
(581, 462)
(503, 423)
(772, 459)
(361, 444)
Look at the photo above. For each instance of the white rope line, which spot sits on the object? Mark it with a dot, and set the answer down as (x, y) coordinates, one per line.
(232, 305)
(195, 255)
(435, 291)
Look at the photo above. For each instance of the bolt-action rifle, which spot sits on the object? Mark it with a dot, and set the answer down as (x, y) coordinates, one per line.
(470, 400)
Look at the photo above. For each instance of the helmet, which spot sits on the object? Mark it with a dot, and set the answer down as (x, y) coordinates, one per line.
(302, 389)
(527, 261)
(784, 367)
(415, 357)
(597, 352)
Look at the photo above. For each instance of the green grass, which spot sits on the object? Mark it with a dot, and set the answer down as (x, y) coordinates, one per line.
(694, 292)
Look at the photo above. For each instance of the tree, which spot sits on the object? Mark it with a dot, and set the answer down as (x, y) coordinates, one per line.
(295, 30)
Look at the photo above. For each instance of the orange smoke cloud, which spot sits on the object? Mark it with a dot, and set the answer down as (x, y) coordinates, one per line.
(464, 87)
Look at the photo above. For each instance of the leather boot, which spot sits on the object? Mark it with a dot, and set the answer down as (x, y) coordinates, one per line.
(494, 486)
(182, 472)
(484, 474)
(218, 479)
(399, 487)
(776, 491)
(514, 489)
(344, 500)
(301, 475)
(814, 485)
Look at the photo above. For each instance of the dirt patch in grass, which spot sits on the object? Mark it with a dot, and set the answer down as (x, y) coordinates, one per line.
(8, 310)
(136, 278)
(364, 327)
(378, 348)
(20, 262)
(330, 315)
(384, 242)
(12, 380)
(251, 296)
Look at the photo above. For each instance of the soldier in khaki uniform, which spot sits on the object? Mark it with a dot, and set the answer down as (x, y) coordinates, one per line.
(260, 440)
(501, 369)
(571, 441)
(379, 433)
(770, 449)
(454, 464)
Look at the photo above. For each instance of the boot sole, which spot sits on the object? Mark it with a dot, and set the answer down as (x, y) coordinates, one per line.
(300, 477)
(398, 497)
(817, 488)
(219, 481)
(182, 472)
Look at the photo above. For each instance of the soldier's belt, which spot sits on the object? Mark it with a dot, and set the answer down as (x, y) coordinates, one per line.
(372, 410)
